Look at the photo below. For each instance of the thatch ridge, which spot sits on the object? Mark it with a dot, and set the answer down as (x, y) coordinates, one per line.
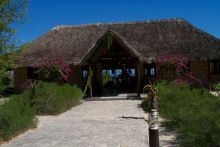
(118, 23)
(148, 39)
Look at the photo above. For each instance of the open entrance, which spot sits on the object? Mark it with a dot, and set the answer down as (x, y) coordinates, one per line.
(119, 78)
(114, 68)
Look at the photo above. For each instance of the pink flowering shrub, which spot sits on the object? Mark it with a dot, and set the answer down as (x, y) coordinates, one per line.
(54, 70)
(195, 79)
(181, 81)
(174, 62)
(178, 64)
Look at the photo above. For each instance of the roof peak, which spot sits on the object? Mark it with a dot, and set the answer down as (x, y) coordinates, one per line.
(115, 23)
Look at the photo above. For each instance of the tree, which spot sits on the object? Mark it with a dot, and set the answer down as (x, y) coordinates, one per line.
(11, 12)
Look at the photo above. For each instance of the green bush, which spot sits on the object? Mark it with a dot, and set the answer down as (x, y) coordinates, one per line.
(146, 105)
(16, 115)
(193, 112)
(52, 98)
(106, 78)
(2, 86)
(217, 88)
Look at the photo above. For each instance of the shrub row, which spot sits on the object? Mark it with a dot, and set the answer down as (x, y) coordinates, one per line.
(51, 98)
(194, 113)
(16, 115)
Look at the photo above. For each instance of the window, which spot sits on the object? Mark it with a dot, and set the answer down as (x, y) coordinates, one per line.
(131, 72)
(85, 73)
(145, 72)
(116, 73)
(150, 70)
(214, 67)
(110, 72)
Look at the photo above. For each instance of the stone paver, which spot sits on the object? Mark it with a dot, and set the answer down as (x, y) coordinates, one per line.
(112, 123)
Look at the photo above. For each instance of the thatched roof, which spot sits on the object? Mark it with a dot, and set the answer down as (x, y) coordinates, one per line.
(147, 40)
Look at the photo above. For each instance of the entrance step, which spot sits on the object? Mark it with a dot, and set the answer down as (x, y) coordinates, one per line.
(122, 96)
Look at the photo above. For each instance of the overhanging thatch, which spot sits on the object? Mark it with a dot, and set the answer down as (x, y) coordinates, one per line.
(148, 39)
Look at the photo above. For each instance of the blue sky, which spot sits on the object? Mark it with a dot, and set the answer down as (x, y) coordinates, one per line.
(43, 15)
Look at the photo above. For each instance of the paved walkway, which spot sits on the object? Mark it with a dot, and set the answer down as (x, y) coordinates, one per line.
(97, 123)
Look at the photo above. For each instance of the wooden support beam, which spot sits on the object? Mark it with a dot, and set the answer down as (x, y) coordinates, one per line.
(138, 79)
(90, 81)
(99, 76)
(90, 88)
(209, 77)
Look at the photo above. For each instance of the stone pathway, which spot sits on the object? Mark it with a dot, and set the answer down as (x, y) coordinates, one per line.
(97, 123)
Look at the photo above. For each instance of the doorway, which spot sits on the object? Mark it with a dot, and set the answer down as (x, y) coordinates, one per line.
(118, 79)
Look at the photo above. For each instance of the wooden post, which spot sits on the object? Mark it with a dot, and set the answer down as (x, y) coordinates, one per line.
(90, 81)
(209, 77)
(90, 87)
(138, 79)
(153, 136)
(99, 77)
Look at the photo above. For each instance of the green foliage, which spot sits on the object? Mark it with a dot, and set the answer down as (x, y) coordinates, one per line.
(11, 12)
(1, 87)
(90, 72)
(3, 67)
(106, 78)
(108, 40)
(51, 98)
(217, 88)
(7, 64)
(146, 105)
(16, 115)
(193, 112)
